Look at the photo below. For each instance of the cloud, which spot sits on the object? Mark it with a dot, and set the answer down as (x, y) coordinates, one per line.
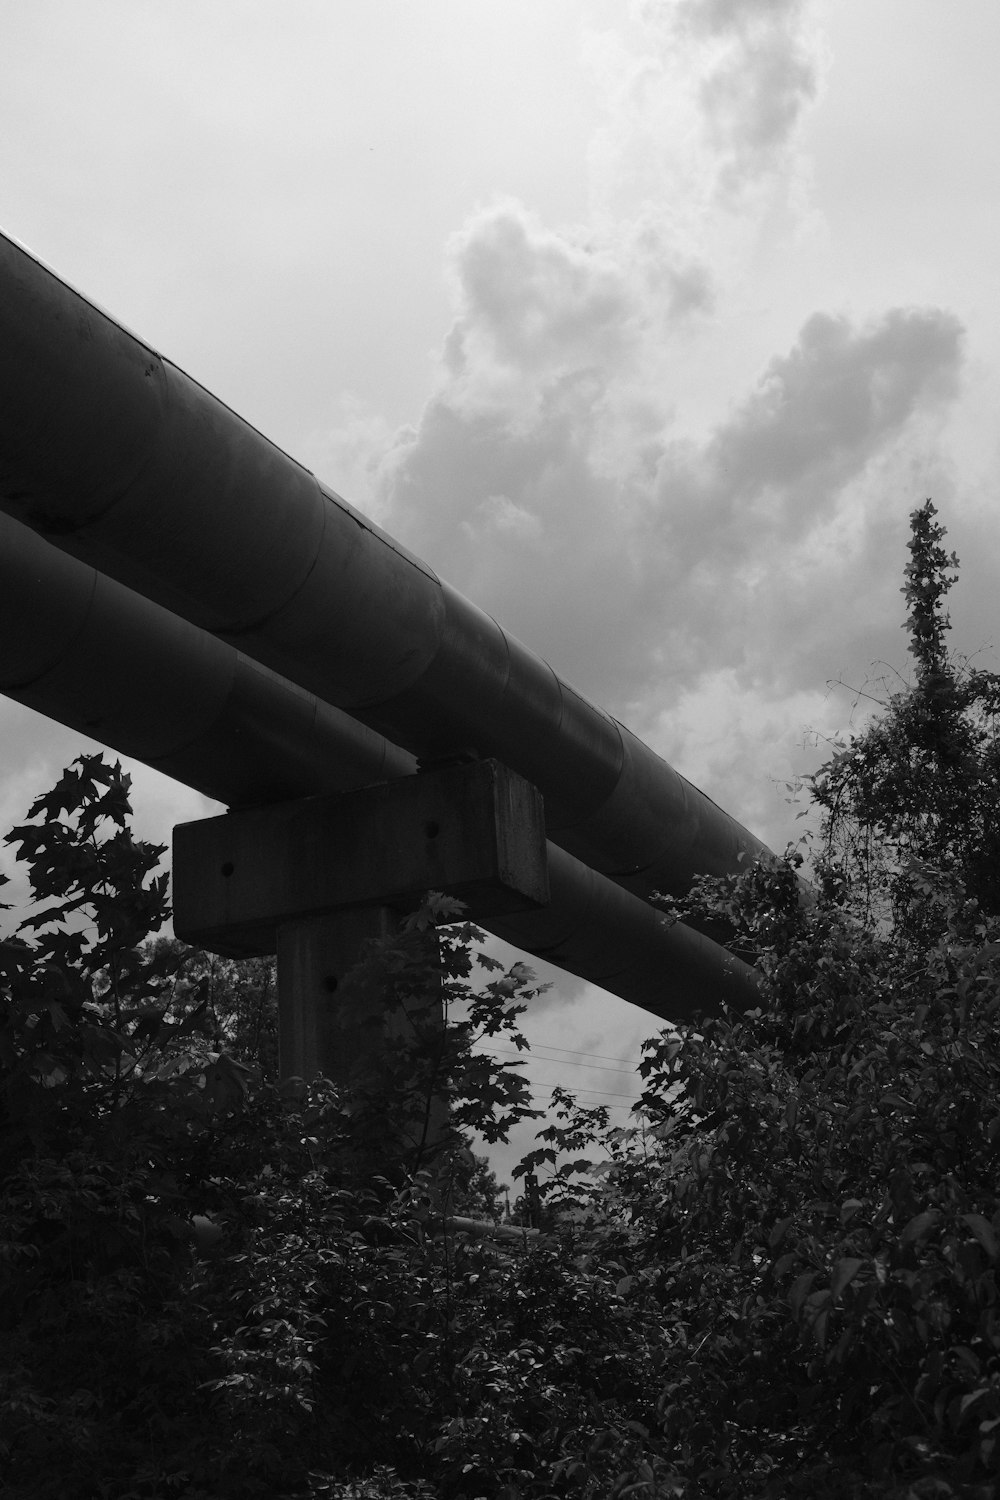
(689, 575)
(705, 113)
(544, 478)
(534, 301)
(760, 72)
(774, 472)
(820, 410)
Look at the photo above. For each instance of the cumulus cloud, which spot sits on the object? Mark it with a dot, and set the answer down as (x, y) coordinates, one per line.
(761, 71)
(703, 116)
(689, 577)
(756, 510)
(544, 478)
(534, 301)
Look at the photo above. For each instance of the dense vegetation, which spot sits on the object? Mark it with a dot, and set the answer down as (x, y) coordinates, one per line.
(782, 1281)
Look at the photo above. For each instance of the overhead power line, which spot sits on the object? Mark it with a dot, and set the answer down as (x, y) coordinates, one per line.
(561, 1061)
(550, 1047)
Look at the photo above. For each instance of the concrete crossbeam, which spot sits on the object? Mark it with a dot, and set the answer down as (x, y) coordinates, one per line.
(475, 832)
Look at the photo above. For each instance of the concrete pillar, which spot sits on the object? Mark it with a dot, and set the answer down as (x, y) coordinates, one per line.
(315, 956)
(334, 1022)
(314, 880)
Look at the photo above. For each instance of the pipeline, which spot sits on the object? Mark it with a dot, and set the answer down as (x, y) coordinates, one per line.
(83, 649)
(89, 652)
(120, 459)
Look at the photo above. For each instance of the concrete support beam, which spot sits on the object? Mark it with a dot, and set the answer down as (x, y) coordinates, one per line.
(316, 880)
(476, 832)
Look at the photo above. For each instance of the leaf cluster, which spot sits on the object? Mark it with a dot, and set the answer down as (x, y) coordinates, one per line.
(919, 787)
(779, 1281)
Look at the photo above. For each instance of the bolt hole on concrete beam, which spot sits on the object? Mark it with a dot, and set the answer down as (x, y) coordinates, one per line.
(431, 830)
(330, 983)
(228, 868)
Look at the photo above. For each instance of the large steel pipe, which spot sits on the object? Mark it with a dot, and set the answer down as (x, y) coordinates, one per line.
(83, 649)
(120, 458)
(622, 944)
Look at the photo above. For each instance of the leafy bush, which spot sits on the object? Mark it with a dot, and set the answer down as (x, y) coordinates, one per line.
(781, 1281)
(201, 1291)
(815, 1196)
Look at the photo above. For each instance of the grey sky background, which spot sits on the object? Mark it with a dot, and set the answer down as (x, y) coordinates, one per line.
(646, 324)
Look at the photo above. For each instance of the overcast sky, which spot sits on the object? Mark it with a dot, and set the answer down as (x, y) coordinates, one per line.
(646, 325)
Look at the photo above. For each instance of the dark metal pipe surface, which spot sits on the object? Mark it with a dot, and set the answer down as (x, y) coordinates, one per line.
(119, 458)
(85, 650)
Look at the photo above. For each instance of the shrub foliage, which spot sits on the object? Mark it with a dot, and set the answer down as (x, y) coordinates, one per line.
(780, 1281)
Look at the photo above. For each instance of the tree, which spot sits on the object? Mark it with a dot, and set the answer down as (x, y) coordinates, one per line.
(241, 997)
(920, 787)
(782, 1281)
(190, 1260)
(816, 1204)
(93, 1021)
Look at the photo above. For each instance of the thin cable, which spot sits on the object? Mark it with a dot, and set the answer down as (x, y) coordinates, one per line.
(557, 1083)
(550, 1047)
(564, 1062)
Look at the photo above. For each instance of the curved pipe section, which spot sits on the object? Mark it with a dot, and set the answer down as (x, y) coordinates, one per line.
(80, 648)
(121, 459)
(595, 929)
(83, 649)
